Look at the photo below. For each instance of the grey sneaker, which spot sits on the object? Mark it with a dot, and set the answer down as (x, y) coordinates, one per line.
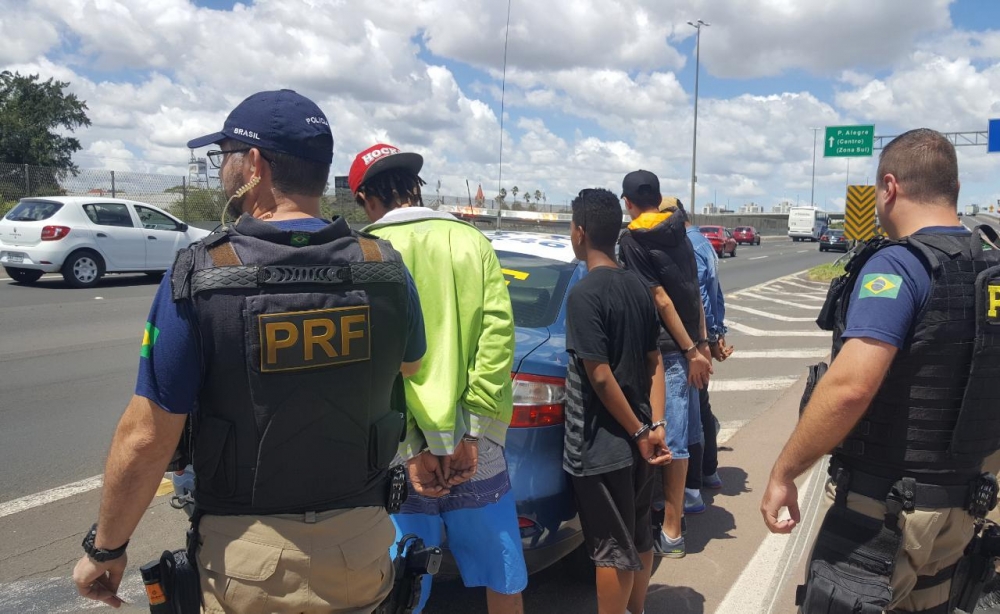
(669, 548)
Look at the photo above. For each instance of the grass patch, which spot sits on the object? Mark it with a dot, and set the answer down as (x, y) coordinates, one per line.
(825, 272)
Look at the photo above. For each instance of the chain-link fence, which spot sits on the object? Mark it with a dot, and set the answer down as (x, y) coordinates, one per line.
(196, 201)
(192, 201)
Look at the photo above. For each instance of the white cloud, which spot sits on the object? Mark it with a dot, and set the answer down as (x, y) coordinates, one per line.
(592, 85)
(769, 37)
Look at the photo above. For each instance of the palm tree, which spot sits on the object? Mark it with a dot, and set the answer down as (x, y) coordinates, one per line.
(527, 198)
(501, 196)
(514, 191)
(538, 195)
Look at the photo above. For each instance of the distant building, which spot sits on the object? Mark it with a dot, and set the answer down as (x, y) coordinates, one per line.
(782, 207)
(751, 208)
(709, 209)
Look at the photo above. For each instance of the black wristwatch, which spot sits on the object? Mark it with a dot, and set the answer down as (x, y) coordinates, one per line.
(100, 554)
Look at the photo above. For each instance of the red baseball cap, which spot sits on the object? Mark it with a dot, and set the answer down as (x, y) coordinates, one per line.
(378, 158)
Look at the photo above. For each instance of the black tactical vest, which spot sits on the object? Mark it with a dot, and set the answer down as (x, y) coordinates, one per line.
(935, 417)
(302, 336)
(677, 270)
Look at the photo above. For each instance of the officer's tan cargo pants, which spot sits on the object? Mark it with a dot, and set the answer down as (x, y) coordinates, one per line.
(278, 564)
(932, 540)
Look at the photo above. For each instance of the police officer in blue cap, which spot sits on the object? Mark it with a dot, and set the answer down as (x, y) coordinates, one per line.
(283, 338)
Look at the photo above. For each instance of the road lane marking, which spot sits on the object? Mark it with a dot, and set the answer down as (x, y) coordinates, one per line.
(756, 332)
(50, 496)
(758, 586)
(812, 353)
(778, 301)
(789, 282)
(729, 428)
(802, 251)
(752, 383)
(768, 314)
(812, 294)
(63, 492)
(758, 258)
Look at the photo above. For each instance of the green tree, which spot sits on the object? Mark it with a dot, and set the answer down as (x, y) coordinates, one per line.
(33, 113)
(538, 196)
(514, 192)
(501, 197)
(198, 204)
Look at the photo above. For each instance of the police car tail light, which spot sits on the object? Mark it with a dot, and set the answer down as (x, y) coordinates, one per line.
(538, 401)
(54, 233)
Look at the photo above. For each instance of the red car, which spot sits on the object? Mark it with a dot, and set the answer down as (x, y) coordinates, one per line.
(722, 240)
(746, 234)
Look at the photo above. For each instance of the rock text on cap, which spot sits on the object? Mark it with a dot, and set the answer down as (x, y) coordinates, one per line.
(371, 156)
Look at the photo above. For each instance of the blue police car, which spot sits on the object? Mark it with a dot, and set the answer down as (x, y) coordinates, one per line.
(540, 269)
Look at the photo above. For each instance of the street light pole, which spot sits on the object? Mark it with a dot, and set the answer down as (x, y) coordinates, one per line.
(697, 68)
(812, 191)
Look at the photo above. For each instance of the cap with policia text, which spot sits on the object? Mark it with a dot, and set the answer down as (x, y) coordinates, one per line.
(282, 121)
(636, 180)
(379, 158)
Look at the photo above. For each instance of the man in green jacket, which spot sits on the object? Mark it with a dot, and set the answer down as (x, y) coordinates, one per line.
(460, 401)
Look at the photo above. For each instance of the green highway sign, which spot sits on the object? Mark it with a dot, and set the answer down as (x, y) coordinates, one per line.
(848, 141)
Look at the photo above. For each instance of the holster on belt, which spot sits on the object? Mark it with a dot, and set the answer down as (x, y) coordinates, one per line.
(816, 373)
(854, 557)
(172, 582)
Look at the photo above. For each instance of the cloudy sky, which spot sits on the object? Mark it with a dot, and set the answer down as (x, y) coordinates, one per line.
(594, 88)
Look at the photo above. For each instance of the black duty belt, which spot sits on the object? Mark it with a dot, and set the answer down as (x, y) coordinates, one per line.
(978, 496)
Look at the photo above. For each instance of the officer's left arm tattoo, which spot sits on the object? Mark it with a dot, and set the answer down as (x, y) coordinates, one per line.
(143, 444)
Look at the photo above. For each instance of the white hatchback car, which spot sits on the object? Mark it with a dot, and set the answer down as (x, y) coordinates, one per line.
(84, 238)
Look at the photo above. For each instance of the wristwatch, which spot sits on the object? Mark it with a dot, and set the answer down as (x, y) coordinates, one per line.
(100, 555)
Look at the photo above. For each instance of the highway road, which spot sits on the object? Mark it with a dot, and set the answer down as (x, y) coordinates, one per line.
(68, 361)
(69, 357)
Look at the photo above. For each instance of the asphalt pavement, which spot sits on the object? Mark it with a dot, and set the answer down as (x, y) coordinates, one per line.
(68, 361)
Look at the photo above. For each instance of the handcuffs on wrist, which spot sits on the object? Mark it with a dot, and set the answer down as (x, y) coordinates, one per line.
(648, 428)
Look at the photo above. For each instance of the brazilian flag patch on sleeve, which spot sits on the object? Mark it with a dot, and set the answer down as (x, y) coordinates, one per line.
(880, 285)
(149, 338)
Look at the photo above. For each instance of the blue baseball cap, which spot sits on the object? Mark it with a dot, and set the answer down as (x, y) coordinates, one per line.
(282, 121)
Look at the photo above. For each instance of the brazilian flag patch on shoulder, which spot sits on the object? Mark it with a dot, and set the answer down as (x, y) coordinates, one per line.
(149, 338)
(880, 285)
(300, 239)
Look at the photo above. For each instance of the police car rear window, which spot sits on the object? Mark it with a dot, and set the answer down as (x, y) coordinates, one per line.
(33, 211)
(537, 287)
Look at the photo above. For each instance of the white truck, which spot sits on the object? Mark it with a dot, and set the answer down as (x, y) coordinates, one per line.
(971, 209)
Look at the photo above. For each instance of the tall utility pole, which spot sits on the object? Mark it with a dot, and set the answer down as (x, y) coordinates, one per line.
(694, 144)
(812, 190)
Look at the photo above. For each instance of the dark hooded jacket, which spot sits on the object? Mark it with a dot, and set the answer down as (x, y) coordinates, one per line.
(656, 246)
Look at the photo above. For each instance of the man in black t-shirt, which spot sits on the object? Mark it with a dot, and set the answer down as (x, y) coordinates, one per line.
(656, 247)
(615, 405)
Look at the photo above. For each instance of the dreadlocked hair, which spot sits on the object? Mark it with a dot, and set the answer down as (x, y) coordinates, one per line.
(393, 187)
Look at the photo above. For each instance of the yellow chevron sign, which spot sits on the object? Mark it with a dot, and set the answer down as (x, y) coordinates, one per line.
(859, 218)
